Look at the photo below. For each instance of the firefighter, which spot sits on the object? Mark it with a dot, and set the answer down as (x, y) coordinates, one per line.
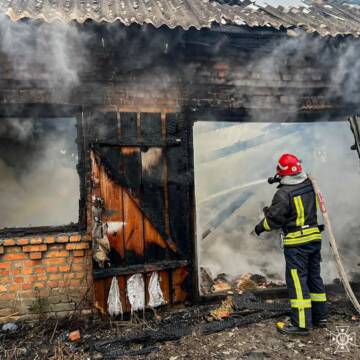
(293, 211)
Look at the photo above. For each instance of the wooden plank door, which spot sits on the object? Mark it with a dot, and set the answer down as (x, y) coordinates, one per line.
(142, 181)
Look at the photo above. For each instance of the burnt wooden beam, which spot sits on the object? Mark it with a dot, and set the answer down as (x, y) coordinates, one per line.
(143, 268)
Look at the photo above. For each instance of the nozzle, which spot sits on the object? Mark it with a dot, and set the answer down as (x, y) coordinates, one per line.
(274, 179)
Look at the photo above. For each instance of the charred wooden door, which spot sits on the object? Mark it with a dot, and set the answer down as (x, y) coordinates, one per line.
(140, 171)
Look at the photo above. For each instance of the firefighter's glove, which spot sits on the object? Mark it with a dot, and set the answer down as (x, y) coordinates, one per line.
(258, 229)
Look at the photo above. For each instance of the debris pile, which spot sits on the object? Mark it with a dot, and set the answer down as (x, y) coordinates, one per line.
(223, 284)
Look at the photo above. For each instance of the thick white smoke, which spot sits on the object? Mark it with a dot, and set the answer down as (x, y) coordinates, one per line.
(247, 152)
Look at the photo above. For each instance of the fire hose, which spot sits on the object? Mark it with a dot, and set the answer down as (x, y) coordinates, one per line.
(342, 273)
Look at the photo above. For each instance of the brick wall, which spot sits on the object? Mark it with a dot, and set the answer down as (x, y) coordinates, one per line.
(41, 275)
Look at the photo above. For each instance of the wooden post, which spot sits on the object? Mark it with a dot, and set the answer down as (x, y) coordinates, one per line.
(343, 277)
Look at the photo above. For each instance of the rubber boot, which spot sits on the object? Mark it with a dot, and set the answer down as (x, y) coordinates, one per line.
(291, 330)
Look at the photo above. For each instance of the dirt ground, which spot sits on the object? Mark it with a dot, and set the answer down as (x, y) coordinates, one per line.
(48, 339)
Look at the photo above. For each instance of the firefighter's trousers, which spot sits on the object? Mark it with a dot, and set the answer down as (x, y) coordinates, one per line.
(305, 285)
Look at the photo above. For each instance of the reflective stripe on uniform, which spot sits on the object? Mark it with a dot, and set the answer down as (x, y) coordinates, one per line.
(300, 220)
(306, 303)
(299, 298)
(303, 236)
(266, 225)
(302, 240)
(318, 297)
(310, 231)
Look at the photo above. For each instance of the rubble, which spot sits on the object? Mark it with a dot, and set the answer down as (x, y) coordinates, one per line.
(186, 331)
(223, 284)
(74, 336)
(225, 309)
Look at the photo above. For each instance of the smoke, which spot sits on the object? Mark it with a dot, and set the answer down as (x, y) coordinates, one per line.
(229, 155)
(39, 184)
(55, 54)
(325, 150)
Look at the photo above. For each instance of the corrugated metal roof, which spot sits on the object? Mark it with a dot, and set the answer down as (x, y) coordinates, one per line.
(326, 18)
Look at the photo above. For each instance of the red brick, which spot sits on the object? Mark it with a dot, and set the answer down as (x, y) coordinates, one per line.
(56, 247)
(27, 271)
(78, 260)
(34, 241)
(75, 238)
(35, 248)
(42, 277)
(55, 276)
(19, 280)
(30, 279)
(35, 255)
(62, 239)
(78, 253)
(39, 285)
(13, 257)
(64, 268)
(52, 284)
(30, 263)
(39, 270)
(79, 246)
(78, 267)
(4, 273)
(57, 254)
(15, 287)
(15, 271)
(22, 241)
(55, 261)
(4, 265)
(52, 269)
(49, 240)
(13, 250)
(9, 242)
(26, 286)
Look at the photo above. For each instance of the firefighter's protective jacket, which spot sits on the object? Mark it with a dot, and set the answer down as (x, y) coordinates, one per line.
(294, 210)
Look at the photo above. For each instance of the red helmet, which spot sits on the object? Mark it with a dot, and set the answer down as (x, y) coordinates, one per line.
(288, 165)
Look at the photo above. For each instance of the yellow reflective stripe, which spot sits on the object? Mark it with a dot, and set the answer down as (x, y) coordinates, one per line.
(299, 296)
(300, 220)
(302, 240)
(304, 304)
(318, 297)
(266, 225)
(303, 232)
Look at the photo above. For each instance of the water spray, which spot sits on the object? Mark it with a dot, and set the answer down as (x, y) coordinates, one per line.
(234, 189)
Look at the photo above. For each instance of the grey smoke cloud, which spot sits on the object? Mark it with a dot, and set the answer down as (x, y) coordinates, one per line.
(39, 184)
(54, 53)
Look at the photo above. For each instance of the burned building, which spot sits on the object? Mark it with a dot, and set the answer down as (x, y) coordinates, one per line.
(98, 103)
